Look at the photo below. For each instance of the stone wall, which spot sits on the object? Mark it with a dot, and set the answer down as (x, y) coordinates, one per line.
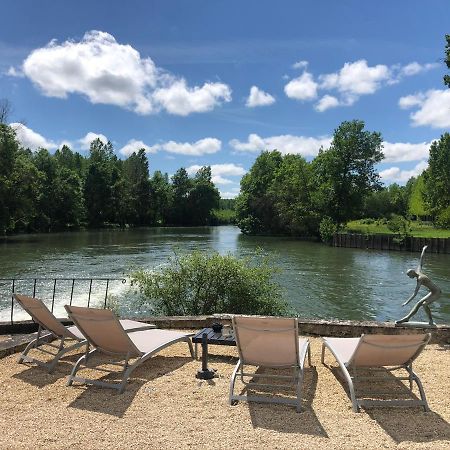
(13, 338)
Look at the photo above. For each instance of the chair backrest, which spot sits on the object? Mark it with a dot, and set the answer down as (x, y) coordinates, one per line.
(103, 330)
(378, 350)
(267, 341)
(43, 316)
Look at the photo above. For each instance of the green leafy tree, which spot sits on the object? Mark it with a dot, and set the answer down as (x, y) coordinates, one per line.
(203, 197)
(181, 188)
(137, 187)
(161, 198)
(255, 209)
(101, 175)
(20, 184)
(345, 173)
(437, 176)
(290, 192)
(416, 204)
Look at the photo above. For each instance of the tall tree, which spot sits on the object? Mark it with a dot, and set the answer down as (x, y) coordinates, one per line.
(203, 197)
(255, 209)
(137, 186)
(161, 198)
(291, 193)
(100, 195)
(416, 204)
(437, 175)
(181, 188)
(345, 173)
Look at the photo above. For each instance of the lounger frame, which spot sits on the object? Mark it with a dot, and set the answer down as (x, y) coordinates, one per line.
(350, 372)
(127, 368)
(296, 378)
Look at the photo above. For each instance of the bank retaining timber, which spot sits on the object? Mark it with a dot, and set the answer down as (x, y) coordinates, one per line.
(390, 242)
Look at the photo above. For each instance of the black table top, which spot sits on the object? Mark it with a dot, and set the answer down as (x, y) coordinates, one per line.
(213, 337)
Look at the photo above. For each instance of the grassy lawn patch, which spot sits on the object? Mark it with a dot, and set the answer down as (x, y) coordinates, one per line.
(418, 229)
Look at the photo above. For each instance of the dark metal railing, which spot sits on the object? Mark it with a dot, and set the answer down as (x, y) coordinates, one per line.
(37, 280)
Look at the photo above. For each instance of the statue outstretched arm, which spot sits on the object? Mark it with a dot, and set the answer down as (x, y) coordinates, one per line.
(422, 255)
(414, 293)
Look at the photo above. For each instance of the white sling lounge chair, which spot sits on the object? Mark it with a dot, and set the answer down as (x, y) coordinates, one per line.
(390, 352)
(55, 329)
(105, 333)
(274, 343)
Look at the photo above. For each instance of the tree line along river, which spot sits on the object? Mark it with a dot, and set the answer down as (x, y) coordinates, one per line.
(318, 281)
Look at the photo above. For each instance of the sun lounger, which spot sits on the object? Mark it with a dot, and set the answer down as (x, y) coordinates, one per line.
(269, 342)
(106, 335)
(55, 329)
(378, 351)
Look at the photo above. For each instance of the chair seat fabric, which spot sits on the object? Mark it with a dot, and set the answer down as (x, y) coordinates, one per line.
(148, 341)
(343, 347)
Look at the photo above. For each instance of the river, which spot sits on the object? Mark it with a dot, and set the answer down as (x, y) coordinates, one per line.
(318, 281)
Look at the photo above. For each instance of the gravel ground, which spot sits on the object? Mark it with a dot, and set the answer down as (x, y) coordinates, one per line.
(165, 406)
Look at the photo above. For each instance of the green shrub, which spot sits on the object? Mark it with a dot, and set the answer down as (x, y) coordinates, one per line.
(209, 283)
(327, 228)
(401, 226)
(443, 218)
(223, 217)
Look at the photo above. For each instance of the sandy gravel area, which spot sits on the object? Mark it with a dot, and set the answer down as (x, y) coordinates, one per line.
(165, 406)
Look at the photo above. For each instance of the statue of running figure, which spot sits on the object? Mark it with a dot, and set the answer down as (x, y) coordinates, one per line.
(433, 295)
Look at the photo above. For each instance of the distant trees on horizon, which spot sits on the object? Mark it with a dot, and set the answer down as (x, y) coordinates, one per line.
(40, 191)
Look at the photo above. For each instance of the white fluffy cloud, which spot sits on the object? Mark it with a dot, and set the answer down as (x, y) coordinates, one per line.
(305, 146)
(300, 65)
(414, 68)
(405, 151)
(353, 80)
(133, 146)
(204, 146)
(85, 142)
(30, 139)
(105, 71)
(434, 108)
(397, 175)
(326, 102)
(258, 97)
(231, 193)
(356, 78)
(220, 171)
(182, 100)
(302, 88)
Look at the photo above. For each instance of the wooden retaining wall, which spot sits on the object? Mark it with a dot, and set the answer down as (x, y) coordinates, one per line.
(389, 242)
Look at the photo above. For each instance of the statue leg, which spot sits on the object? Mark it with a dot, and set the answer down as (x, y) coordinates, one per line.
(411, 313)
(428, 312)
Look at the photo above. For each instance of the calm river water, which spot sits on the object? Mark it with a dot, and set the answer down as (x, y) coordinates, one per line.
(318, 281)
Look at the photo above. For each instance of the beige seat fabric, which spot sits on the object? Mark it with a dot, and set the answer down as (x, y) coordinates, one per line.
(48, 322)
(270, 342)
(378, 351)
(106, 334)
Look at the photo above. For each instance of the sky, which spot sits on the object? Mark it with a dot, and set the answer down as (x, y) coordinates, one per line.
(216, 82)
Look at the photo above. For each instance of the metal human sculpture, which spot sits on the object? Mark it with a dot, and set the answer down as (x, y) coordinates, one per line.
(433, 295)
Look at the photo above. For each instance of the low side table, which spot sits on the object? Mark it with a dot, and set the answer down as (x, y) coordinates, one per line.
(212, 338)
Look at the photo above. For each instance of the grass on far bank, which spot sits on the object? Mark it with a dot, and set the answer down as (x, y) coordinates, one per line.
(418, 228)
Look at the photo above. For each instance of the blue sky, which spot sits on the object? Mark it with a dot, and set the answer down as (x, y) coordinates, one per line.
(209, 82)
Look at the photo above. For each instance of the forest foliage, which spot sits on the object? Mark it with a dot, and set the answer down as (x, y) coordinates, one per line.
(285, 194)
(40, 191)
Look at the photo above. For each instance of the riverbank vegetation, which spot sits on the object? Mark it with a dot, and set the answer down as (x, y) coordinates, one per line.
(285, 194)
(40, 191)
(204, 284)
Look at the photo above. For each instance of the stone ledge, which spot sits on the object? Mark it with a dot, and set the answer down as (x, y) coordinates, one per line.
(14, 338)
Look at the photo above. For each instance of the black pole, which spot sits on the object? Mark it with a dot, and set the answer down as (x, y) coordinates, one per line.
(205, 373)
